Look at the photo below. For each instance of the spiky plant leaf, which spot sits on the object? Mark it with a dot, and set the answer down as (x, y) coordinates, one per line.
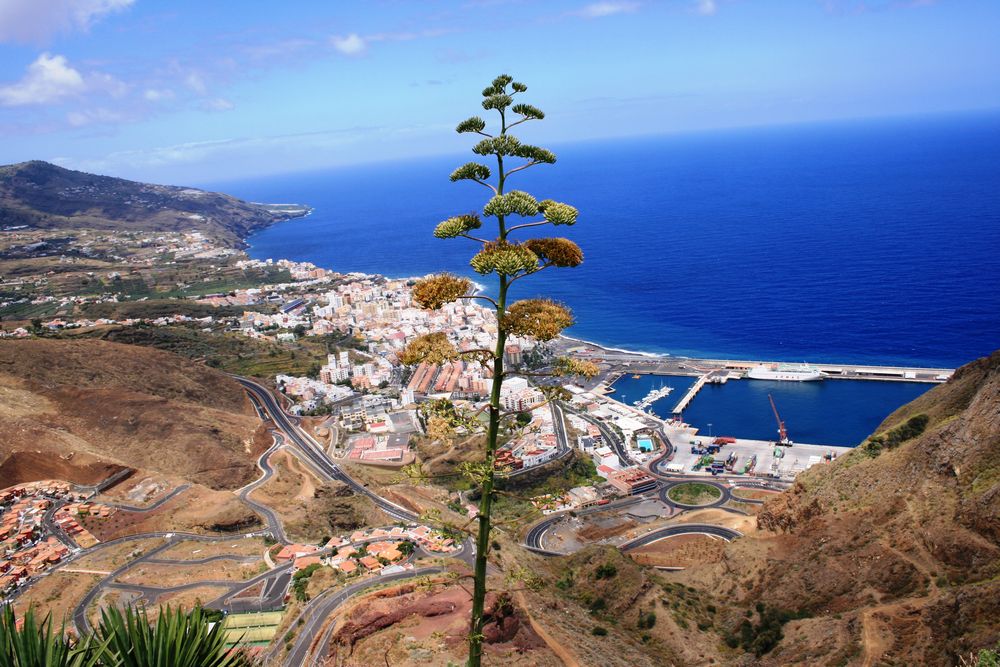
(35, 644)
(175, 639)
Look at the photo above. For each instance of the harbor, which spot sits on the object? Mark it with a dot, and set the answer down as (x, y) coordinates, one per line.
(838, 405)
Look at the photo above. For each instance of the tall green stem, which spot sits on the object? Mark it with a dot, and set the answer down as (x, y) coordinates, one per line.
(486, 498)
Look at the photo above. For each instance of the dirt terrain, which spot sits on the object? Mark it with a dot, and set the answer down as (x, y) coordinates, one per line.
(104, 405)
(680, 551)
(312, 510)
(427, 626)
(892, 553)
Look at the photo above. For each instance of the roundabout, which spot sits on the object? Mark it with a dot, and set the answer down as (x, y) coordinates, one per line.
(694, 494)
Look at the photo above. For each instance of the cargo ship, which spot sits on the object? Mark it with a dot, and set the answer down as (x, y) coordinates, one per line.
(787, 372)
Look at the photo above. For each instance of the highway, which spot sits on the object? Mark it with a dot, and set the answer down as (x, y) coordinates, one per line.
(313, 454)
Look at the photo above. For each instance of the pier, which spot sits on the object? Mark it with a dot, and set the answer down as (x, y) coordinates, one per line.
(653, 397)
(691, 393)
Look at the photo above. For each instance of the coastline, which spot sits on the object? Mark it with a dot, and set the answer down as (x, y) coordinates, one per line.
(621, 350)
(573, 341)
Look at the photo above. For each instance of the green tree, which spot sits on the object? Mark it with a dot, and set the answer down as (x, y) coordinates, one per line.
(509, 260)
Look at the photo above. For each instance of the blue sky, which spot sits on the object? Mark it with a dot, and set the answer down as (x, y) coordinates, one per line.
(208, 91)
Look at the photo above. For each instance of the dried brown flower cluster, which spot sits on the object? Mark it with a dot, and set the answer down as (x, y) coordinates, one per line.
(433, 348)
(556, 251)
(541, 319)
(570, 366)
(435, 291)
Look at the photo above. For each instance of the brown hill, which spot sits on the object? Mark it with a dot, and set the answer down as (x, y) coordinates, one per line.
(893, 552)
(76, 409)
(44, 196)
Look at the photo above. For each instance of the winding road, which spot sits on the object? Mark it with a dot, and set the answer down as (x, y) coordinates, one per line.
(313, 454)
(322, 606)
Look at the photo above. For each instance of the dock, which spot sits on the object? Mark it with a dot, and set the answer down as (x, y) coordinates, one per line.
(691, 393)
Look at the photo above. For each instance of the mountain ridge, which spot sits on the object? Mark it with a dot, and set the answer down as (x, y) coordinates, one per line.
(40, 195)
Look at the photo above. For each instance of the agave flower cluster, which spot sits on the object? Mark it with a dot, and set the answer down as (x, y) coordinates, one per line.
(509, 259)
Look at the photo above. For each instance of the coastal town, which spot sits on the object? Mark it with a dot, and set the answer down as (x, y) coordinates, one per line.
(353, 403)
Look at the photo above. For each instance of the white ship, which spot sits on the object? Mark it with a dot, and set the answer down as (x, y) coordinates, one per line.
(789, 372)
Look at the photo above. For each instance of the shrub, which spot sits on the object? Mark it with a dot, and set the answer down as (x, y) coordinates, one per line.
(598, 631)
(647, 620)
(605, 571)
(911, 428)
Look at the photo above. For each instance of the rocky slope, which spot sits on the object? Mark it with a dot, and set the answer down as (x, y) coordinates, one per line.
(78, 409)
(893, 552)
(40, 195)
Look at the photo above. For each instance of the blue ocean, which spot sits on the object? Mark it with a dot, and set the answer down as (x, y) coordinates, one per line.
(872, 241)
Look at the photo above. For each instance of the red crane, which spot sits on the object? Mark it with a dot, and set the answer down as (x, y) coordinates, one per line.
(782, 433)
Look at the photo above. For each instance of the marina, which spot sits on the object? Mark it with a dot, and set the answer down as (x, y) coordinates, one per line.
(828, 413)
(653, 396)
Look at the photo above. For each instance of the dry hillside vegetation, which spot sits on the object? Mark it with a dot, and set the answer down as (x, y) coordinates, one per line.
(312, 510)
(77, 409)
(892, 553)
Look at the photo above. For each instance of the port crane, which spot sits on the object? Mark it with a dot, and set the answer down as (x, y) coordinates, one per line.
(782, 432)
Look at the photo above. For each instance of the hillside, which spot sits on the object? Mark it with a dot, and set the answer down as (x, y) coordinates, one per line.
(40, 195)
(892, 552)
(78, 409)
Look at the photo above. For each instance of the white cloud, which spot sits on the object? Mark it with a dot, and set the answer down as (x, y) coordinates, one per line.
(196, 82)
(351, 45)
(218, 104)
(37, 20)
(706, 7)
(158, 94)
(93, 116)
(51, 79)
(48, 79)
(598, 10)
